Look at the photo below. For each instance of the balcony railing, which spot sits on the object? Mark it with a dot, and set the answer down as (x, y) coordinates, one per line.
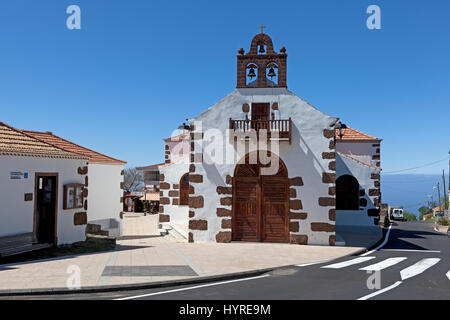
(282, 129)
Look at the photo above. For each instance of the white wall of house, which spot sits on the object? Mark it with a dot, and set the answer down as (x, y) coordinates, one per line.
(104, 196)
(179, 150)
(17, 215)
(303, 157)
(172, 175)
(357, 221)
(361, 150)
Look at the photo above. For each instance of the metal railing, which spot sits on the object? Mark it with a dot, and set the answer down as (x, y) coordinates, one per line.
(282, 127)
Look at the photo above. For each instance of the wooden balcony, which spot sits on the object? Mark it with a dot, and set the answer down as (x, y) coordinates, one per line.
(276, 129)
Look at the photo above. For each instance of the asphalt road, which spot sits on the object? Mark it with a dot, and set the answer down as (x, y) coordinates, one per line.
(413, 264)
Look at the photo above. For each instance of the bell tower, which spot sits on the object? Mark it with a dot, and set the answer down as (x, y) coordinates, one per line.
(261, 67)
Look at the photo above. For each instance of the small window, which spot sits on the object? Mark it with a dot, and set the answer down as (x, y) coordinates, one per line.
(151, 176)
(347, 193)
(73, 197)
(184, 190)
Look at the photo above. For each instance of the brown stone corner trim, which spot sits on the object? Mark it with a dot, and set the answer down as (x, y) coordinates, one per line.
(299, 239)
(198, 225)
(328, 177)
(222, 212)
(329, 133)
(164, 218)
(327, 202)
(322, 226)
(196, 202)
(332, 240)
(223, 236)
(296, 181)
(224, 190)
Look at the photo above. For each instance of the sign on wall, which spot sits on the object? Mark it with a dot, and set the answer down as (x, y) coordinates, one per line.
(17, 175)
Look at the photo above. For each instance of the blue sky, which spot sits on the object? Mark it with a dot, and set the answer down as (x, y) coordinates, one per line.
(138, 69)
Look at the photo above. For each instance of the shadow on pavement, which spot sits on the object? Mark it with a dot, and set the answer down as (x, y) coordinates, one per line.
(138, 237)
(397, 239)
(6, 263)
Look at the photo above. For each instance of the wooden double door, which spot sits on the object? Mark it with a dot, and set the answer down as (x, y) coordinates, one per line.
(260, 205)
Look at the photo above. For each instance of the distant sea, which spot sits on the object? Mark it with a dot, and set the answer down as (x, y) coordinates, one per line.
(410, 190)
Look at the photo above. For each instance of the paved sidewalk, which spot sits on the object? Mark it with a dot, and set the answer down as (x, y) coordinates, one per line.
(145, 256)
(442, 229)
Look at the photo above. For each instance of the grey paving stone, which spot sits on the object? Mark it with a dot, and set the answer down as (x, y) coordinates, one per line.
(147, 271)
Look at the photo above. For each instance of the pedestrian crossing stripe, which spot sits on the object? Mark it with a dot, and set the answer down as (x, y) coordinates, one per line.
(351, 262)
(418, 268)
(384, 264)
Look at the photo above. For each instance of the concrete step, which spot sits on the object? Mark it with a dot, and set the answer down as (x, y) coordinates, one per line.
(164, 228)
(96, 229)
(5, 252)
(176, 234)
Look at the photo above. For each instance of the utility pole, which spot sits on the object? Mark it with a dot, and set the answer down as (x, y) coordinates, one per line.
(445, 189)
(439, 196)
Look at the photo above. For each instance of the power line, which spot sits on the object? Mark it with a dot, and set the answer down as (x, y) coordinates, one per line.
(431, 179)
(414, 168)
(403, 190)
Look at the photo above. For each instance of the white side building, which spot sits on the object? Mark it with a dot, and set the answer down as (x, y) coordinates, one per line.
(104, 181)
(34, 176)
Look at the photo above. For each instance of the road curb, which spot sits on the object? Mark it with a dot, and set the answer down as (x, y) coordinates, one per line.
(137, 286)
(153, 285)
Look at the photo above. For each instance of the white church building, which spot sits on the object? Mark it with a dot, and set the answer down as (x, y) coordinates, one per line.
(263, 165)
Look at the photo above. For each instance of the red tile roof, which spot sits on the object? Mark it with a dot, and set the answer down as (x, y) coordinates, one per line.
(50, 138)
(153, 166)
(15, 142)
(179, 137)
(350, 134)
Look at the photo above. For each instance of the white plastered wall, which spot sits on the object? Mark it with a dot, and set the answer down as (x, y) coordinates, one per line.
(172, 175)
(17, 215)
(104, 196)
(357, 221)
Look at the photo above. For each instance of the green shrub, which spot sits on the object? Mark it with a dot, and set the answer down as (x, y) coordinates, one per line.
(409, 216)
(444, 221)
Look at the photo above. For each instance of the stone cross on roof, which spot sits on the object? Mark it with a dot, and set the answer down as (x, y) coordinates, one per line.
(262, 28)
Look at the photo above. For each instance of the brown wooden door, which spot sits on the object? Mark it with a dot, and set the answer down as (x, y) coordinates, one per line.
(246, 221)
(260, 205)
(260, 113)
(46, 190)
(184, 190)
(275, 209)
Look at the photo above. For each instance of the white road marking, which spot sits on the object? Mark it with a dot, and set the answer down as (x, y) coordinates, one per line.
(182, 256)
(395, 285)
(448, 275)
(311, 263)
(386, 238)
(418, 268)
(411, 250)
(191, 288)
(384, 264)
(351, 262)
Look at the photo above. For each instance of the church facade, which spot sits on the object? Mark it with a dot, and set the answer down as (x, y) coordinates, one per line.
(264, 165)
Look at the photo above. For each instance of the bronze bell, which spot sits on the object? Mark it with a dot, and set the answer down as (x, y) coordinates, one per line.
(271, 73)
(261, 49)
(252, 73)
